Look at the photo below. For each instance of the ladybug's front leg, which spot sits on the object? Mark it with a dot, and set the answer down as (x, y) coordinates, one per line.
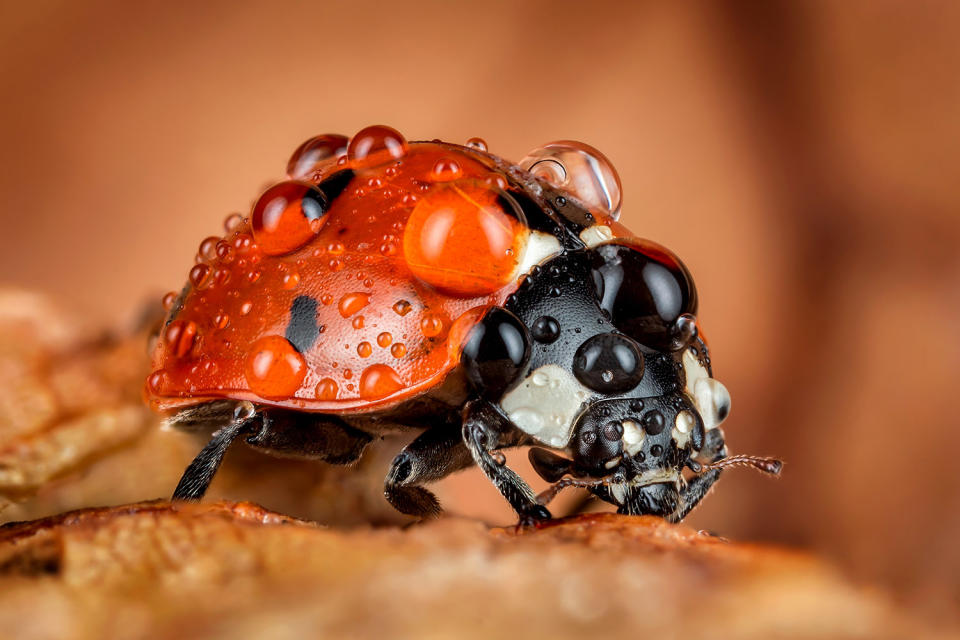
(485, 430)
(714, 449)
(434, 454)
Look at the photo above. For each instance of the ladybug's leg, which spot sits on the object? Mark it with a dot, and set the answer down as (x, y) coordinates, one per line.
(434, 454)
(714, 448)
(198, 475)
(485, 430)
(314, 436)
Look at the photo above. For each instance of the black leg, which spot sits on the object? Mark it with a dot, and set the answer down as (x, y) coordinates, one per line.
(485, 430)
(714, 448)
(434, 454)
(309, 435)
(195, 480)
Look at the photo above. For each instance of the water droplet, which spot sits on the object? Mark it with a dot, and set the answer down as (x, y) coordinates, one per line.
(221, 320)
(169, 299)
(540, 379)
(245, 308)
(347, 373)
(375, 145)
(384, 339)
(274, 369)
(243, 243)
(353, 302)
(314, 154)
(580, 170)
(445, 170)
(378, 381)
(545, 329)
(477, 143)
(431, 325)
(398, 350)
(336, 264)
(199, 275)
(388, 249)
(496, 181)
(358, 322)
(157, 380)
(607, 375)
(290, 280)
(287, 216)
(326, 299)
(224, 251)
(232, 222)
(253, 276)
(364, 349)
(327, 389)
(458, 237)
(180, 337)
(402, 307)
(207, 249)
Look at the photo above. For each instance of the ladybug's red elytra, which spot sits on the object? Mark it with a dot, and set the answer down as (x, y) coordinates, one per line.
(393, 285)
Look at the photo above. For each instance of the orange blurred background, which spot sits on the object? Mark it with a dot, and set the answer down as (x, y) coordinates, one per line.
(800, 157)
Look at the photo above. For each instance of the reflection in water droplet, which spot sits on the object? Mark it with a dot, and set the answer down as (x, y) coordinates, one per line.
(221, 320)
(398, 350)
(579, 169)
(287, 216)
(245, 308)
(364, 349)
(274, 369)
(353, 302)
(327, 389)
(180, 337)
(384, 339)
(431, 325)
(207, 250)
(402, 307)
(477, 143)
(376, 145)
(445, 170)
(314, 154)
(199, 275)
(378, 381)
(232, 222)
(461, 238)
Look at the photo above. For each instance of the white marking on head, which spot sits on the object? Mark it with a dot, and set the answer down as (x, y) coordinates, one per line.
(540, 247)
(708, 395)
(633, 436)
(596, 234)
(546, 404)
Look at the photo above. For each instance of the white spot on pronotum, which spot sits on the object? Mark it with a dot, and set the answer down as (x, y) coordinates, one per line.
(540, 246)
(596, 234)
(546, 404)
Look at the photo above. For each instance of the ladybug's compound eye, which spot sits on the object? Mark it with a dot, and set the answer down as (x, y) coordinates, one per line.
(647, 292)
(464, 239)
(580, 170)
(287, 216)
(609, 363)
(497, 352)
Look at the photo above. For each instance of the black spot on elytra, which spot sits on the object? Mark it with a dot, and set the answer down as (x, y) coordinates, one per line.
(302, 331)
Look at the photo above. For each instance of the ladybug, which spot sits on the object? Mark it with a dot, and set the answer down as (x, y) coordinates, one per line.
(391, 285)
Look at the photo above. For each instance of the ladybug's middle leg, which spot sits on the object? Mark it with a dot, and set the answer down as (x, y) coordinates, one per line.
(485, 430)
(434, 454)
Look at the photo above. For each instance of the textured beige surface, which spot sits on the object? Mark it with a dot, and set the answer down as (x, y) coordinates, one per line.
(229, 570)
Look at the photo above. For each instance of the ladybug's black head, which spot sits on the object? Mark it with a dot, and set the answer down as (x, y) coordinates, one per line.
(597, 357)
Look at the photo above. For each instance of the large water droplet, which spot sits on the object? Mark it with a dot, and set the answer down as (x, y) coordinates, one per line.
(579, 169)
(314, 154)
(375, 145)
(274, 369)
(477, 143)
(287, 216)
(378, 381)
(353, 302)
(463, 239)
